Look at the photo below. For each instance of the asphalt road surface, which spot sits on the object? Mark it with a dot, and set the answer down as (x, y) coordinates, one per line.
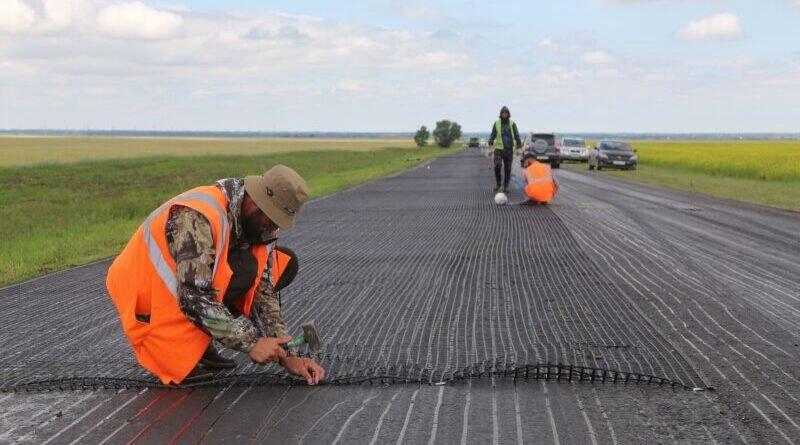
(620, 313)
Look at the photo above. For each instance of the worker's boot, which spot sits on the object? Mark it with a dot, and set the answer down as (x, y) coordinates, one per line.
(506, 190)
(197, 375)
(213, 360)
(497, 188)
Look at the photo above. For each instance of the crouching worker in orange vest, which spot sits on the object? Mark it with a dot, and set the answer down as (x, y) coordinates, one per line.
(540, 186)
(200, 260)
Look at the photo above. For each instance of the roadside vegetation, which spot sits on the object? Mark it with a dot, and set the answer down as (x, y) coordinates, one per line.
(759, 160)
(32, 150)
(421, 137)
(55, 216)
(446, 133)
(762, 172)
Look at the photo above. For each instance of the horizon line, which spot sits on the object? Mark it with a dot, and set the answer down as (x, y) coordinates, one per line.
(23, 131)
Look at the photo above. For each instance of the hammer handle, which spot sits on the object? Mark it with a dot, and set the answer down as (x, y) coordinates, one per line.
(297, 341)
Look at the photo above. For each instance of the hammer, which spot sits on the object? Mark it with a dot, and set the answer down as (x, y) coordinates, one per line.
(310, 337)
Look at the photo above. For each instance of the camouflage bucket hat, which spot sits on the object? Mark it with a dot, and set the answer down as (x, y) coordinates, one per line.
(279, 193)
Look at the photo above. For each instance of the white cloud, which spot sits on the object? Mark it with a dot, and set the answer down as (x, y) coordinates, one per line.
(739, 62)
(608, 73)
(548, 44)
(44, 16)
(136, 20)
(598, 58)
(557, 75)
(16, 16)
(254, 50)
(416, 11)
(59, 14)
(724, 26)
(350, 85)
(228, 70)
(442, 60)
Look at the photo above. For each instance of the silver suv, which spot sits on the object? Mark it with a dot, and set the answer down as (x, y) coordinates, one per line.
(549, 155)
(573, 149)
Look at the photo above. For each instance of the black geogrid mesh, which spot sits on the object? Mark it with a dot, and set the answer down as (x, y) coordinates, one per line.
(414, 278)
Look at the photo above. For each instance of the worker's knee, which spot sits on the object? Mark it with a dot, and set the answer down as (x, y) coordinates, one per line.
(288, 275)
(498, 158)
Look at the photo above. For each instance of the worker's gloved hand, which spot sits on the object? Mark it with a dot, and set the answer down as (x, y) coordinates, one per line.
(268, 350)
(304, 368)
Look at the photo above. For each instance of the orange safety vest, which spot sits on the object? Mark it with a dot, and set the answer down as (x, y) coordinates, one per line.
(540, 187)
(143, 280)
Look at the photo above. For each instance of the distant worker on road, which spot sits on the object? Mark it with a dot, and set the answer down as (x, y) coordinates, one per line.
(504, 135)
(540, 186)
(201, 260)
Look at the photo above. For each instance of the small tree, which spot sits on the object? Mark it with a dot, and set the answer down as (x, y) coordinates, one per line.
(456, 130)
(421, 138)
(446, 133)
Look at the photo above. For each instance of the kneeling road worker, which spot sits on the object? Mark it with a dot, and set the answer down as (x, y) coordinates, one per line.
(540, 186)
(200, 260)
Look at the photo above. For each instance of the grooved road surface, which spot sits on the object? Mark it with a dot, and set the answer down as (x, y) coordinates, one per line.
(419, 278)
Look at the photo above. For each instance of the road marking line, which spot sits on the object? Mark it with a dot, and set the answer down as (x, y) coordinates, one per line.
(380, 420)
(467, 403)
(550, 414)
(436, 416)
(517, 415)
(408, 417)
(311, 428)
(75, 422)
(592, 434)
(761, 413)
(108, 417)
(350, 418)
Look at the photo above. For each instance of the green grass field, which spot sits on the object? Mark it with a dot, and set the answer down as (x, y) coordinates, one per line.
(32, 150)
(762, 172)
(55, 216)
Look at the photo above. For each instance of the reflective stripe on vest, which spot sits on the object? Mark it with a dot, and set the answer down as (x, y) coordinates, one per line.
(533, 180)
(546, 178)
(169, 276)
(498, 142)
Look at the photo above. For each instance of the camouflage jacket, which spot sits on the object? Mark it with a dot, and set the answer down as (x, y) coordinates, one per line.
(191, 243)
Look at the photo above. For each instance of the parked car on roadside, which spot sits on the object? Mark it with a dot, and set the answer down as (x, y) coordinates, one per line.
(616, 154)
(573, 149)
(550, 155)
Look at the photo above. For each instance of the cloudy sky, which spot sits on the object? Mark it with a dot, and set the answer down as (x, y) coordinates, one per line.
(391, 65)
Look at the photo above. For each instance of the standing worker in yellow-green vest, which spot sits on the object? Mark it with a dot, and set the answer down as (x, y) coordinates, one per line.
(504, 134)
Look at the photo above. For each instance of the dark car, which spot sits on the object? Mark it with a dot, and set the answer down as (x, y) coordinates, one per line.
(474, 142)
(616, 154)
(550, 155)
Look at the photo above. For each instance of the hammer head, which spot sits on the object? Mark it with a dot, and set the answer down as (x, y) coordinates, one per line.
(312, 336)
